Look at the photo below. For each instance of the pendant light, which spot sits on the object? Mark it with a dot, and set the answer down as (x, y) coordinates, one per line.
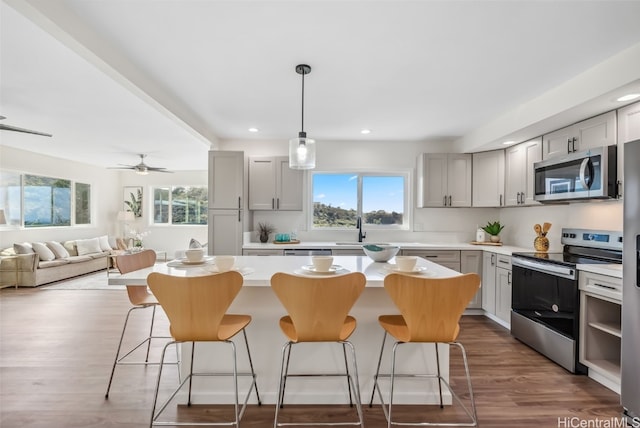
(302, 150)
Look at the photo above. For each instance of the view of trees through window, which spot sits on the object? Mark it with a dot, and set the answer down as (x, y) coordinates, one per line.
(180, 205)
(47, 201)
(338, 199)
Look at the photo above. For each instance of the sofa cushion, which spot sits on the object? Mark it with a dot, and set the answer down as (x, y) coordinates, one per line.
(24, 248)
(70, 246)
(52, 263)
(78, 259)
(9, 251)
(88, 246)
(58, 249)
(99, 255)
(104, 243)
(43, 251)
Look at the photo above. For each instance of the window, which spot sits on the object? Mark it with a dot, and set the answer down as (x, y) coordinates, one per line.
(180, 205)
(36, 201)
(47, 201)
(379, 198)
(83, 203)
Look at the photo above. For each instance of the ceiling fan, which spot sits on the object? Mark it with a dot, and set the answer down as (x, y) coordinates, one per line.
(141, 168)
(16, 129)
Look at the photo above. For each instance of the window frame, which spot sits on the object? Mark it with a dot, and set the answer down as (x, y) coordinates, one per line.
(360, 173)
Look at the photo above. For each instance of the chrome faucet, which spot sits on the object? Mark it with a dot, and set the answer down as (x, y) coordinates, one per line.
(361, 235)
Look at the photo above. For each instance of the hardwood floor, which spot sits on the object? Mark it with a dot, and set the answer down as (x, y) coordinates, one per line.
(56, 350)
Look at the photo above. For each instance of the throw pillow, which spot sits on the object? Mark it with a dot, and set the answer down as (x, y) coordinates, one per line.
(71, 248)
(58, 249)
(43, 251)
(104, 243)
(24, 248)
(88, 246)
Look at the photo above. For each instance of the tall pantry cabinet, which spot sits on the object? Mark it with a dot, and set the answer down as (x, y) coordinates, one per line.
(226, 202)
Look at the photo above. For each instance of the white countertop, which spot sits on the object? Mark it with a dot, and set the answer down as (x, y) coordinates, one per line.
(504, 249)
(614, 270)
(257, 270)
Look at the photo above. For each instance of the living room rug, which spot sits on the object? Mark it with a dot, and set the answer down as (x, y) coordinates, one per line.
(91, 281)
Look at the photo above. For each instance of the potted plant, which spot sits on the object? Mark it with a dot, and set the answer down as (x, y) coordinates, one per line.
(493, 229)
(264, 229)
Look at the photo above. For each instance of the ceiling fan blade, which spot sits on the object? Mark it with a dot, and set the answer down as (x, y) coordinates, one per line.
(4, 127)
(160, 170)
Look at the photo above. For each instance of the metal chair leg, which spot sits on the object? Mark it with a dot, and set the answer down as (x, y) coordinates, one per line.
(115, 361)
(346, 366)
(375, 378)
(439, 376)
(153, 316)
(281, 383)
(253, 373)
(193, 348)
(286, 373)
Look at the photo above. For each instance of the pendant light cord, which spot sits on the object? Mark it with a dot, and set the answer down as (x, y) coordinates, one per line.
(303, 73)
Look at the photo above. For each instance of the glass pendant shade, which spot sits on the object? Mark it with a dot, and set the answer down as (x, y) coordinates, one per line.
(302, 152)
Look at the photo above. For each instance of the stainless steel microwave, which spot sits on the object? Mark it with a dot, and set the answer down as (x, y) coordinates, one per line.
(591, 174)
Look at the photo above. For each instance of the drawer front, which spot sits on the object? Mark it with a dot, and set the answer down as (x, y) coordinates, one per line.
(504, 261)
(602, 285)
(435, 256)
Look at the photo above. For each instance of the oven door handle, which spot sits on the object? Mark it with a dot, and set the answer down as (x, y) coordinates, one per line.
(557, 270)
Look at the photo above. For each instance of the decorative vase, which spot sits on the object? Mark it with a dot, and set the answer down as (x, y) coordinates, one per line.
(495, 238)
(264, 237)
(541, 244)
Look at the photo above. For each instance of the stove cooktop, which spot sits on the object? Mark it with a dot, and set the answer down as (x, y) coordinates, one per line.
(565, 259)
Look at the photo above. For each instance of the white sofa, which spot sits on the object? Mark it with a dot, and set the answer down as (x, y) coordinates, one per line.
(53, 261)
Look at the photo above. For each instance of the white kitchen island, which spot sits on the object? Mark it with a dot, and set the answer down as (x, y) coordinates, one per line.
(266, 340)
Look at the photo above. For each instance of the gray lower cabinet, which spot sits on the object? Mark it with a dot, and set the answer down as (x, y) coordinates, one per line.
(347, 252)
(460, 261)
(471, 262)
(496, 285)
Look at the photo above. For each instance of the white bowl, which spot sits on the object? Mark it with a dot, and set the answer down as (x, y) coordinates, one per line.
(406, 263)
(194, 254)
(380, 252)
(224, 263)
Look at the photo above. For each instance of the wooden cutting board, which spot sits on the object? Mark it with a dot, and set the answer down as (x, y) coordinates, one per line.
(495, 244)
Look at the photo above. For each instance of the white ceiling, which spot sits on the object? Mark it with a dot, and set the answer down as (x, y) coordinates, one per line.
(113, 78)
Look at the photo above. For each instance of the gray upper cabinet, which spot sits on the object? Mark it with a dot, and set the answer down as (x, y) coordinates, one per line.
(519, 160)
(628, 130)
(488, 179)
(273, 185)
(444, 180)
(595, 132)
(226, 179)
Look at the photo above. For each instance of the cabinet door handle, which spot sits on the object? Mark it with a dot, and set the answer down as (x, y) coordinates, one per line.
(239, 203)
(273, 203)
(278, 203)
(573, 144)
(444, 201)
(509, 278)
(518, 198)
(501, 200)
(493, 259)
(449, 200)
(239, 213)
(568, 145)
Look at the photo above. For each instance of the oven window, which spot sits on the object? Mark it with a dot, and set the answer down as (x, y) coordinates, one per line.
(545, 298)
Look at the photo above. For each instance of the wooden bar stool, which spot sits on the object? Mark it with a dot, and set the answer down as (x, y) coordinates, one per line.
(196, 307)
(430, 311)
(318, 311)
(140, 298)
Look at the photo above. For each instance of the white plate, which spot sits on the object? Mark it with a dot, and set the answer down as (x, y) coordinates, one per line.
(394, 268)
(186, 262)
(243, 270)
(312, 269)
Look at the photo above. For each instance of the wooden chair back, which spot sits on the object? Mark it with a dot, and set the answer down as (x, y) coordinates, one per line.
(195, 305)
(432, 307)
(318, 307)
(128, 263)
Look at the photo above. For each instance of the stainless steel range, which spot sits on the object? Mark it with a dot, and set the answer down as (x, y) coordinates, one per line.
(545, 304)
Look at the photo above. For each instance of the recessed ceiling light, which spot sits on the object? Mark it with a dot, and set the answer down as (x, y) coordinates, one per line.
(629, 97)
(506, 143)
(365, 131)
(253, 129)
